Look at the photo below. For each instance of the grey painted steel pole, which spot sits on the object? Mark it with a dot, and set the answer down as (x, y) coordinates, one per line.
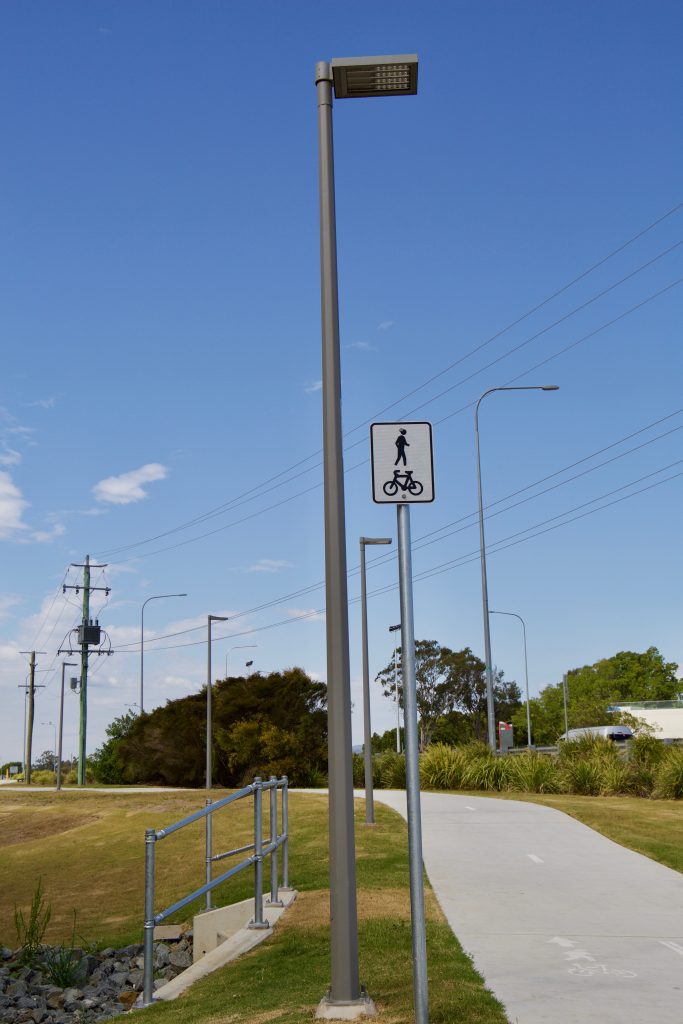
(154, 597)
(257, 921)
(285, 831)
(490, 708)
(274, 900)
(148, 972)
(367, 730)
(526, 672)
(417, 908)
(209, 752)
(345, 985)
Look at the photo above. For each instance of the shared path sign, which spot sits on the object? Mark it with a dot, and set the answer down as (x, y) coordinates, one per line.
(402, 463)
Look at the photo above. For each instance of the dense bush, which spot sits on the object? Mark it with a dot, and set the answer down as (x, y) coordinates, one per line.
(669, 775)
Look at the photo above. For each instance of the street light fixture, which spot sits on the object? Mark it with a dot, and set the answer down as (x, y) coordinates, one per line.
(239, 647)
(350, 77)
(490, 709)
(367, 730)
(156, 597)
(395, 629)
(526, 672)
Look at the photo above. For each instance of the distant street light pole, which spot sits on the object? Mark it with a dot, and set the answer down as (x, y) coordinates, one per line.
(352, 77)
(54, 748)
(65, 664)
(239, 647)
(526, 673)
(209, 752)
(367, 729)
(394, 629)
(156, 597)
(490, 708)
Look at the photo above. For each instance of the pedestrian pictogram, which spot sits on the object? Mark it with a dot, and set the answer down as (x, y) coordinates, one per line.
(402, 463)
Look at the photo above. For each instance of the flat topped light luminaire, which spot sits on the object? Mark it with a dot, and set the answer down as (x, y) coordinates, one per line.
(375, 76)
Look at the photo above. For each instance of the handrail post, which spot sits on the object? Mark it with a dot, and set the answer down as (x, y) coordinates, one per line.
(274, 900)
(148, 977)
(209, 852)
(285, 887)
(258, 921)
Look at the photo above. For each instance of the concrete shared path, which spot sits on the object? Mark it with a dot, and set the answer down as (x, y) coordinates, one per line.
(565, 926)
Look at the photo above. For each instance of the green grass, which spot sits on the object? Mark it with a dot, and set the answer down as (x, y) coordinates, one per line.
(89, 851)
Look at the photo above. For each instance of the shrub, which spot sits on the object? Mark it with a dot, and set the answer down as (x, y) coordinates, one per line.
(669, 775)
(43, 777)
(533, 773)
(442, 767)
(488, 773)
(359, 771)
(646, 751)
(582, 775)
(391, 770)
(616, 778)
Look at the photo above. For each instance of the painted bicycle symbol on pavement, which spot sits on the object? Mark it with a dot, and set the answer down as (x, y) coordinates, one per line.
(590, 970)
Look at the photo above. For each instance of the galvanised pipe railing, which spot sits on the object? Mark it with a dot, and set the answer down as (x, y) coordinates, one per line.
(277, 840)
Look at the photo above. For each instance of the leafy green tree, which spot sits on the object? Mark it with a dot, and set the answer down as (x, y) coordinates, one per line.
(627, 676)
(105, 763)
(262, 723)
(45, 763)
(451, 693)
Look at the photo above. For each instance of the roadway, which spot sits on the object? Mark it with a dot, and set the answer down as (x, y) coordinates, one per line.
(564, 925)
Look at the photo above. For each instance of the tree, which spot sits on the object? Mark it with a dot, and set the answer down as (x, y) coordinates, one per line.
(274, 724)
(434, 691)
(45, 763)
(627, 676)
(105, 762)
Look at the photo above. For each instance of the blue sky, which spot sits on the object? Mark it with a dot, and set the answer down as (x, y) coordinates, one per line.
(161, 340)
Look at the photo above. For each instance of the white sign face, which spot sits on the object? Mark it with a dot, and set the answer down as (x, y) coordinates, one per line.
(402, 463)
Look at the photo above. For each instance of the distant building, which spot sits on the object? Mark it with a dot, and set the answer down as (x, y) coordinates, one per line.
(665, 716)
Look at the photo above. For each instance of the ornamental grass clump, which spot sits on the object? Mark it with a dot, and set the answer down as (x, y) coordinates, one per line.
(391, 770)
(533, 773)
(669, 775)
(442, 767)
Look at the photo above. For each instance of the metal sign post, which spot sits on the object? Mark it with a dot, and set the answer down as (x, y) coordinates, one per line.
(403, 474)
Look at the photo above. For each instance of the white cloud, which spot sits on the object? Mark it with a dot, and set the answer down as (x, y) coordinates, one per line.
(43, 403)
(12, 506)
(311, 386)
(268, 565)
(43, 536)
(8, 457)
(306, 614)
(385, 325)
(7, 602)
(363, 346)
(127, 487)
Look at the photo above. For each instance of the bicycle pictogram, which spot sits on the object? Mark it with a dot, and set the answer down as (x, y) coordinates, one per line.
(590, 970)
(403, 482)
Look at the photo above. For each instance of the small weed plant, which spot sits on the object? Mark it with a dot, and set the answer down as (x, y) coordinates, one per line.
(62, 964)
(30, 932)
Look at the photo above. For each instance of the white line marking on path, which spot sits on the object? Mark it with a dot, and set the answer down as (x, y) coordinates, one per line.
(468, 808)
(673, 945)
(534, 858)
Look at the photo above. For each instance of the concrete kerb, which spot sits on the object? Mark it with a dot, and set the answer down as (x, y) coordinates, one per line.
(225, 935)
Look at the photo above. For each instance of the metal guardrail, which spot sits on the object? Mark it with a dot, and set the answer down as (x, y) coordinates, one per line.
(276, 840)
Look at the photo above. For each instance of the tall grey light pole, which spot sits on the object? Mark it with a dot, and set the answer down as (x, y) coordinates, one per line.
(565, 696)
(393, 629)
(526, 672)
(367, 729)
(54, 748)
(350, 77)
(155, 597)
(209, 752)
(65, 664)
(490, 708)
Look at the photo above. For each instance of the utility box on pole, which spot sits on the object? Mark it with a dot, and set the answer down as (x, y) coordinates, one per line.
(506, 737)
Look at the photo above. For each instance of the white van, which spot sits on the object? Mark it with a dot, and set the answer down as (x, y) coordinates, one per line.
(616, 733)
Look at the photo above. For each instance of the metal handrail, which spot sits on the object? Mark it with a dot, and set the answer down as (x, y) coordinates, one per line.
(276, 840)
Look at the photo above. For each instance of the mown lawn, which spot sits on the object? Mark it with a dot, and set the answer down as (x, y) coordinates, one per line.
(88, 849)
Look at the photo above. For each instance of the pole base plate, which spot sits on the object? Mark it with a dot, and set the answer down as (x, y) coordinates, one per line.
(341, 1009)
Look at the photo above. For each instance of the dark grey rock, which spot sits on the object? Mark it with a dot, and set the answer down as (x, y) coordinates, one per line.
(135, 979)
(180, 958)
(161, 954)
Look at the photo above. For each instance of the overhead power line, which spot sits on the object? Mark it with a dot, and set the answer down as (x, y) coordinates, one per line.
(251, 494)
